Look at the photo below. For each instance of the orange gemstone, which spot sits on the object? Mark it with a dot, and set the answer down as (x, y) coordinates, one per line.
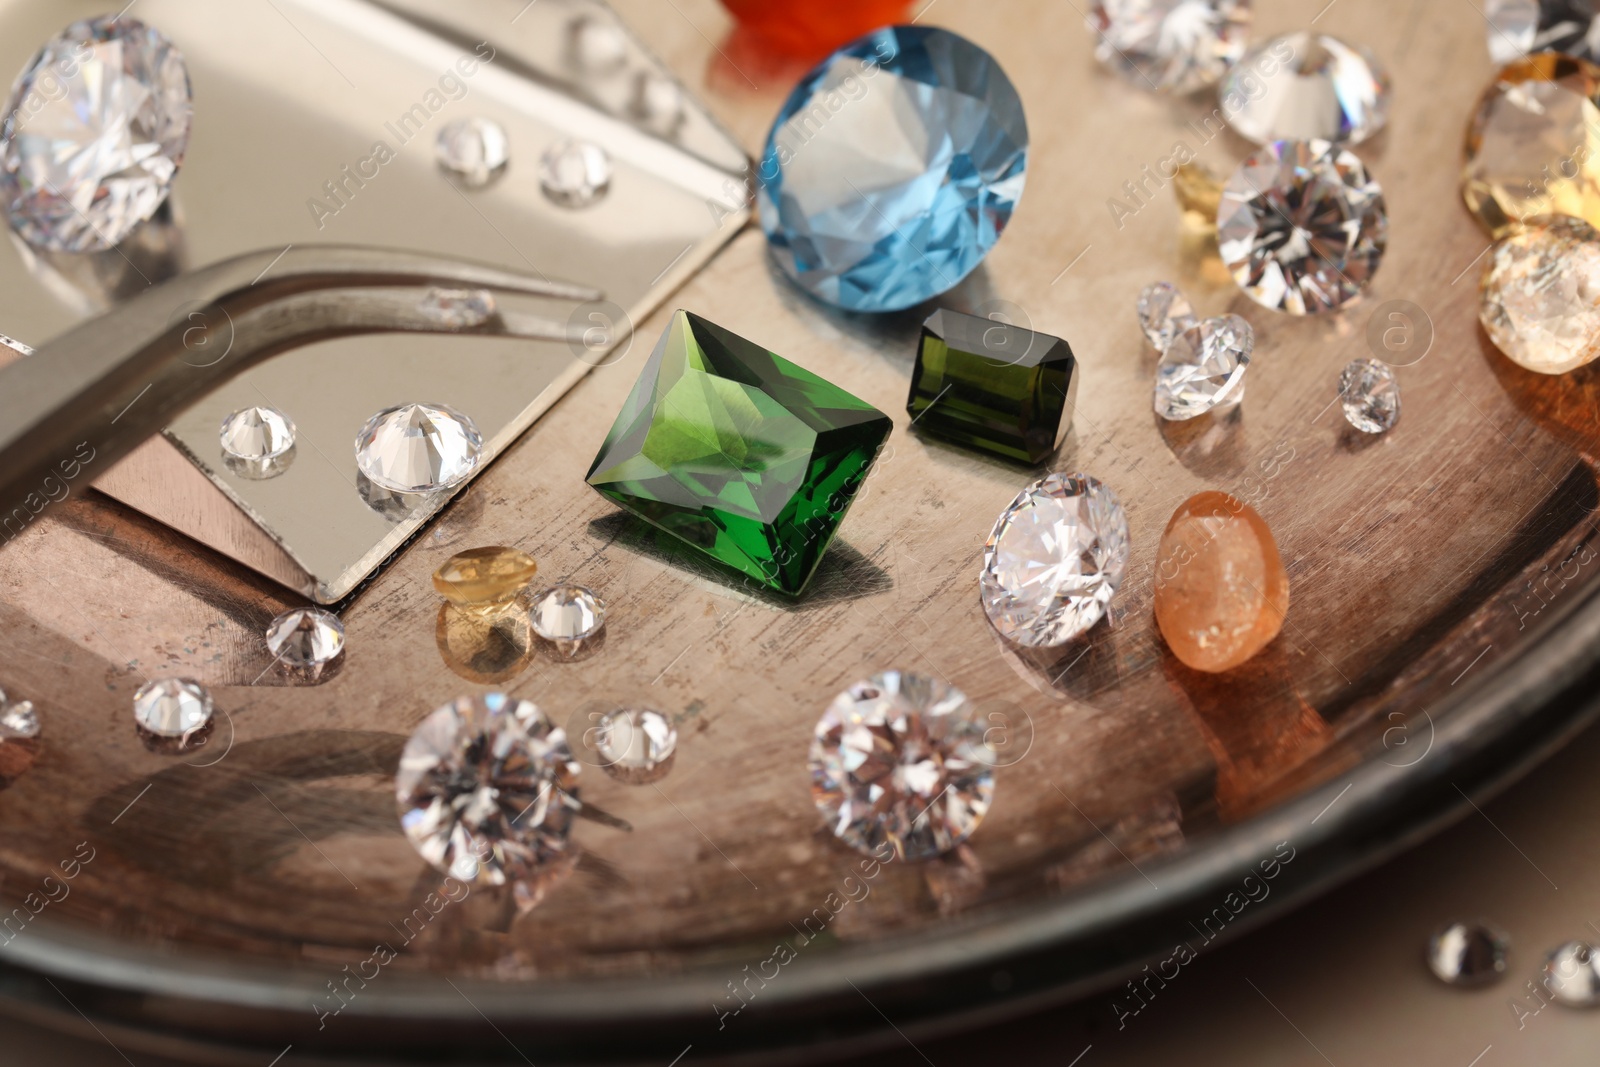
(810, 29)
(1221, 591)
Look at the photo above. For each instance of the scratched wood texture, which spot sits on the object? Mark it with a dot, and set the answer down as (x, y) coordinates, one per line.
(1409, 555)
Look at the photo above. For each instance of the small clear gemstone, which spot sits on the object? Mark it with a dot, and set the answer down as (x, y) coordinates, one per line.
(459, 308)
(1203, 369)
(1517, 27)
(1164, 313)
(19, 721)
(94, 133)
(657, 102)
(574, 173)
(256, 434)
(172, 708)
(1572, 975)
(900, 759)
(487, 790)
(1370, 395)
(1170, 45)
(1533, 146)
(418, 448)
(568, 616)
(484, 577)
(1054, 560)
(1468, 954)
(1327, 89)
(475, 149)
(306, 637)
(595, 45)
(1539, 299)
(1302, 226)
(635, 745)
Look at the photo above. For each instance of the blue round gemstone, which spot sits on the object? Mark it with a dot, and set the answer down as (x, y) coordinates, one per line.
(892, 169)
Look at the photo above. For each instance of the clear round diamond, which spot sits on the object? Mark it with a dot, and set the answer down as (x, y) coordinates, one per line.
(418, 448)
(1054, 560)
(94, 133)
(574, 173)
(1328, 89)
(1302, 226)
(568, 616)
(487, 790)
(1572, 975)
(635, 745)
(1170, 45)
(1370, 395)
(1468, 954)
(172, 708)
(657, 102)
(19, 721)
(459, 308)
(1203, 369)
(256, 433)
(306, 637)
(892, 169)
(1164, 313)
(1539, 298)
(900, 759)
(595, 45)
(1517, 27)
(475, 149)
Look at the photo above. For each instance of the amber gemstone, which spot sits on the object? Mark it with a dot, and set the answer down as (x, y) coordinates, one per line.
(484, 577)
(1221, 591)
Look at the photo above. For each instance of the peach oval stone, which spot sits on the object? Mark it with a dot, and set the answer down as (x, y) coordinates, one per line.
(1221, 591)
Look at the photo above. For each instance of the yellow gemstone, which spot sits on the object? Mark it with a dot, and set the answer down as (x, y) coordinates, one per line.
(1199, 192)
(1539, 300)
(1533, 147)
(484, 577)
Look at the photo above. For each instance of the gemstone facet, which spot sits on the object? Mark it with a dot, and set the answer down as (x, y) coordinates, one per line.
(635, 745)
(459, 308)
(487, 790)
(256, 434)
(568, 616)
(484, 577)
(94, 133)
(1370, 395)
(418, 448)
(306, 637)
(900, 759)
(474, 149)
(892, 169)
(1518, 27)
(1533, 146)
(1054, 560)
(1221, 592)
(172, 709)
(574, 173)
(992, 386)
(1164, 313)
(1572, 974)
(1539, 298)
(1203, 368)
(1174, 46)
(739, 453)
(1302, 226)
(1328, 90)
(1468, 954)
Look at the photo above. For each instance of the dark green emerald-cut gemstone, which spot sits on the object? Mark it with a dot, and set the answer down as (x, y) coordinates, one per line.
(739, 452)
(991, 386)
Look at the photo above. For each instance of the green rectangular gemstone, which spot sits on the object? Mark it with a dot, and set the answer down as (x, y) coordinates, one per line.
(992, 387)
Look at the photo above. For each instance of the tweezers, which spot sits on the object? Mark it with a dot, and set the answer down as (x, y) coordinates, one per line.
(105, 386)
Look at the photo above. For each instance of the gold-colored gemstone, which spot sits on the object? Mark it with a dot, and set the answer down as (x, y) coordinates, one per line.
(1539, 299)
(485, 577)
(1533, 147)
(1199, 192)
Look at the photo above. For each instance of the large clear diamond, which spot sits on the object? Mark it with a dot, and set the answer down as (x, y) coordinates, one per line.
(1203, 369)
(900, 759)
(892, 169)
(1302, 226)
(306, 637)
(487, 790)
(1327, 89)
(1539, 299)
(1170, 45)
(418, 448)
(256, 433)
(1517, 27)
(1053, 560)
(94, 133)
